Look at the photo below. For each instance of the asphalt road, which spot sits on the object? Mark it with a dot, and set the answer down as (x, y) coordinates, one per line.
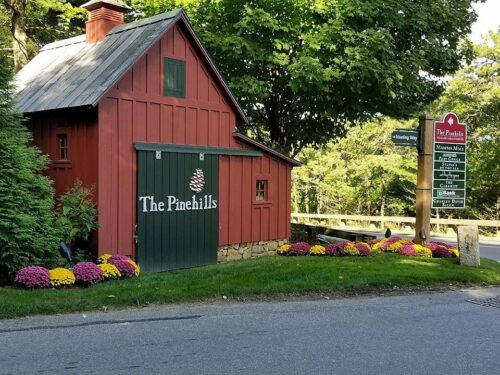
(418, 334)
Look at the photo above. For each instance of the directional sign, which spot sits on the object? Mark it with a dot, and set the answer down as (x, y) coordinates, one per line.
(449, 165)
(405, 137)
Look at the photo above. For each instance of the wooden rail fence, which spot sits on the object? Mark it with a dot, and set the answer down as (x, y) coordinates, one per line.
(396, 219)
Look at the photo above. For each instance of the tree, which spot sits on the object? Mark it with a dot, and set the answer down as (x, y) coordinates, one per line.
(25, 25)
(474, 95)
(304, 69)
(27, 221)
(363, 173)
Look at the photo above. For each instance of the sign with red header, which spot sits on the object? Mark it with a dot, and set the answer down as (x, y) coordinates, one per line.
(450, 130)
(449, 163)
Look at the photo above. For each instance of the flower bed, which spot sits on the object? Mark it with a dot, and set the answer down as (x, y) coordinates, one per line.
(395, 245)
(83, 273)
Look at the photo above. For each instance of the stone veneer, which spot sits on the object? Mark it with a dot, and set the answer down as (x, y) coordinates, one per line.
(239, 251)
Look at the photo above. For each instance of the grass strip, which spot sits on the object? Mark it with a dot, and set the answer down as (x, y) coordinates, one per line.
(265, 276)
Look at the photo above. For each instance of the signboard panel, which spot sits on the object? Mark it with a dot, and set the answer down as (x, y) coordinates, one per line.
(449, 156)
(449, 164)
(405, 137)
(447, 203)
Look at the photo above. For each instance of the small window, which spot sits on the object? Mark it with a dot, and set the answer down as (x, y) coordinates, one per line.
(174, 78)
(62, 143)
(261, 191)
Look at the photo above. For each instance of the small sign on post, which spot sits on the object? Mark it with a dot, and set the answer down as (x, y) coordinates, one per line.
(405, 137)
(449, 165)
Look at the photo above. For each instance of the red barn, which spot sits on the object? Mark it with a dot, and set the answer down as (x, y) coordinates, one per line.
(140, 111)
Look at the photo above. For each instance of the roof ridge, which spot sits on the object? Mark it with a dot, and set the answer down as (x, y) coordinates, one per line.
(64, 42)
(145, 21)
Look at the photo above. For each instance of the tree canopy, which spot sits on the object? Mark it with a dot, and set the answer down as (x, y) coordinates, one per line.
(305, 69)
(362, 173)
(26, 25)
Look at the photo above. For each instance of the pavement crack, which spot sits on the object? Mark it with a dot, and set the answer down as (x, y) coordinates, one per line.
(102, 322)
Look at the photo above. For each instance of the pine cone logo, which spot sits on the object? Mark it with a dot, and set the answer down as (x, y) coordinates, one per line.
(197, 181)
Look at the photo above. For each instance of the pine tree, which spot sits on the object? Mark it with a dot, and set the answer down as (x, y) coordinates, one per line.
(27, 234)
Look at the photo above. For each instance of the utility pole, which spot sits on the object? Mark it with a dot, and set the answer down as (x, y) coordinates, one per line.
(424, 179)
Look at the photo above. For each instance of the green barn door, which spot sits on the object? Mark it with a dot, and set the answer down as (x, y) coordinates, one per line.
(177, 209)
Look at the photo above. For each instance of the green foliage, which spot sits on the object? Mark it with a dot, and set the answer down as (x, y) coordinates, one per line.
(77, 213)
(27, 235)
(303, 69)
(27, 25)
(474, 95)
(363, 173)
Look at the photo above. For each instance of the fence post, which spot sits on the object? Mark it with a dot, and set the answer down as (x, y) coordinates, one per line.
(424, 178)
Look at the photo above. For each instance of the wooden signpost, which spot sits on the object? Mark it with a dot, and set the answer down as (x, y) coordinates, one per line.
(441, 172)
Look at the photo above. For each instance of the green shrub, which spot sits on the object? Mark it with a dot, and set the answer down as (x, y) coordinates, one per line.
(77, 215)
(27, 230)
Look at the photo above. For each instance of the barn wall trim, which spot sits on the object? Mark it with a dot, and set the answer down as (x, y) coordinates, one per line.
(149, 146)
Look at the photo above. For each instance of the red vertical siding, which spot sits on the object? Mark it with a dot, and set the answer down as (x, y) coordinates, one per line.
(136, 110)
(81, 130)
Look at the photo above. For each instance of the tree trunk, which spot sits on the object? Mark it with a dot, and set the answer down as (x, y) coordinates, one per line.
(19, 37)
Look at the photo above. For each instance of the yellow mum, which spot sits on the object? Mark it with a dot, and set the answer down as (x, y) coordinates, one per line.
(109, 271)
(422, 251)
(60, 277)
(396, 246)
(455, 253)
(350, 249)
(317, 250)
(137, 268)
(103, 259)
(283, 249)
(376, 246)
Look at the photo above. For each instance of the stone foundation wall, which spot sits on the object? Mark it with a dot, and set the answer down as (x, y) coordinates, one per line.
(239, 251)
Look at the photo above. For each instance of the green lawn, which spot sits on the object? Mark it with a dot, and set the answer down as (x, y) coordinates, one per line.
(264, 276)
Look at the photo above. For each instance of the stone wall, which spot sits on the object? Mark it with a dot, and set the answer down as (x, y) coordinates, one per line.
(232, 252)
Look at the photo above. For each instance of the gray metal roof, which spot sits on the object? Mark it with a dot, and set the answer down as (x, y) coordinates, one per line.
(73, 73)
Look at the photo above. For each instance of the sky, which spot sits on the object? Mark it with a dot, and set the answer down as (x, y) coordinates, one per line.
(488, 19)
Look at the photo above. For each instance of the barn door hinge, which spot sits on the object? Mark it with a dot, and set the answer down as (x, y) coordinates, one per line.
(135, 236)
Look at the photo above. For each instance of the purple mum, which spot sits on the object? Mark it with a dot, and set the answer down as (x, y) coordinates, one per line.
(407, 250)
(363, 248)
(87, 273)
(336, 249)
(33, 277)
(125, 267)
(389, 242)
(116, 257)
(441, 252)
(299, 248)
(433, 245)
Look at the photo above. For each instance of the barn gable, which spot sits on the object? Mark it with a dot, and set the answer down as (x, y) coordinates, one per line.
(73, 73)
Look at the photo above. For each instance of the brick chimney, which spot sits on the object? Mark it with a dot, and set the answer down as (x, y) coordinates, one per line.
(104, 15)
